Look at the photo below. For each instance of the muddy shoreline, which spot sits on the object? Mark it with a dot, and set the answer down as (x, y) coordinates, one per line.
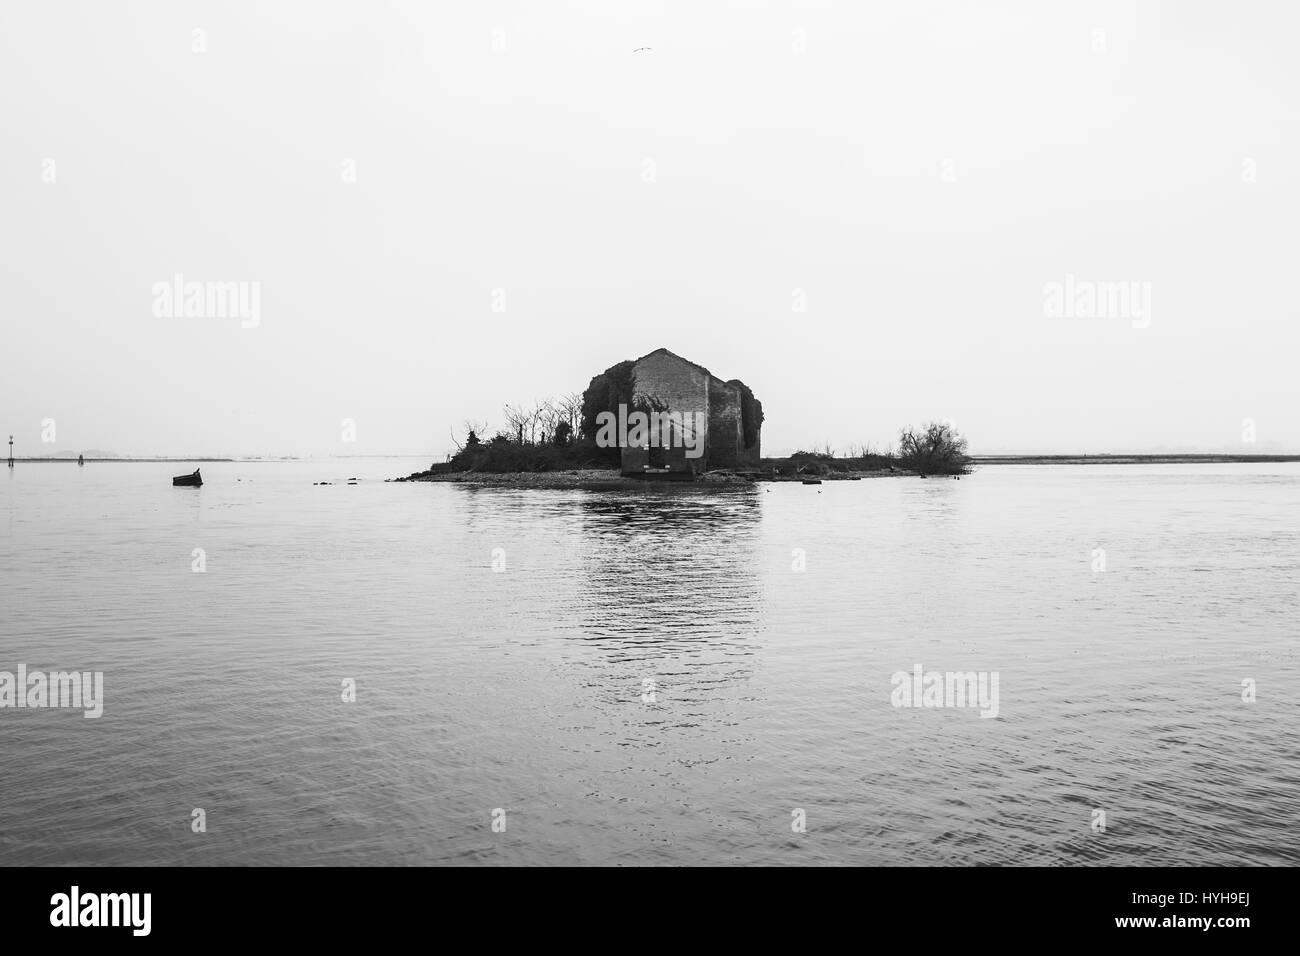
(602, 480)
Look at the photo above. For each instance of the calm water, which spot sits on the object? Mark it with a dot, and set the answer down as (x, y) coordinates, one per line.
(523, 690)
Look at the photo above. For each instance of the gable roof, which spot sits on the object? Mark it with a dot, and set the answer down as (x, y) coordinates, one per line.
(693, 365)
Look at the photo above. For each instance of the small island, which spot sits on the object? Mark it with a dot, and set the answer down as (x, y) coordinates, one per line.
(664, 420)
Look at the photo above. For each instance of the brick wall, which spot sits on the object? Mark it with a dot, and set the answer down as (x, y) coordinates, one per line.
(674, 381)
(687, 390)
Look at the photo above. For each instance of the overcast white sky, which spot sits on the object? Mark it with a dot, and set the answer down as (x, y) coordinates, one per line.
(919, 170)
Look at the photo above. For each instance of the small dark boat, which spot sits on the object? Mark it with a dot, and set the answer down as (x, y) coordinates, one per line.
(812, 481)
(189, 481)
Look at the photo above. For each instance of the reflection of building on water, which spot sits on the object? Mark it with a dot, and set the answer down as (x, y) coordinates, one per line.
(697, 569)
(662, 584)
(671, 592)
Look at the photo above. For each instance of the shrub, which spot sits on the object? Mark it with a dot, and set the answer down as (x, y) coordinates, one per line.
(936, 449)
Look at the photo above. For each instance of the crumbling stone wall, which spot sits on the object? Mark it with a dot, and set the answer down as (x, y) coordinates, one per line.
(751, 425)
(732, 414)
(723, 445)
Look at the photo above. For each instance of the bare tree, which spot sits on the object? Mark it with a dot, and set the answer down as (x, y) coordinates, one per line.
(547, 418)
(570, 410)
(516, 421)
(475, 431)
(536, 424)
(536, 421)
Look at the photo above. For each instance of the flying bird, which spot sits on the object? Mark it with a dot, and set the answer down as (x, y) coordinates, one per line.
(640, 48)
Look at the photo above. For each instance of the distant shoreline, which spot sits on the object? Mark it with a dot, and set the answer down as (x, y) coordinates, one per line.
(1128, 459)
(1106, 459)
(128, 459)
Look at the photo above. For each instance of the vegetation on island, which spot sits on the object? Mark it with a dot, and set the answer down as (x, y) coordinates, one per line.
(544, 439)
(934, 449)
(560, 435)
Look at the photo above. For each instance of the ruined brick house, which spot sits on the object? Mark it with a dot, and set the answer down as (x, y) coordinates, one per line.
(733, 417)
